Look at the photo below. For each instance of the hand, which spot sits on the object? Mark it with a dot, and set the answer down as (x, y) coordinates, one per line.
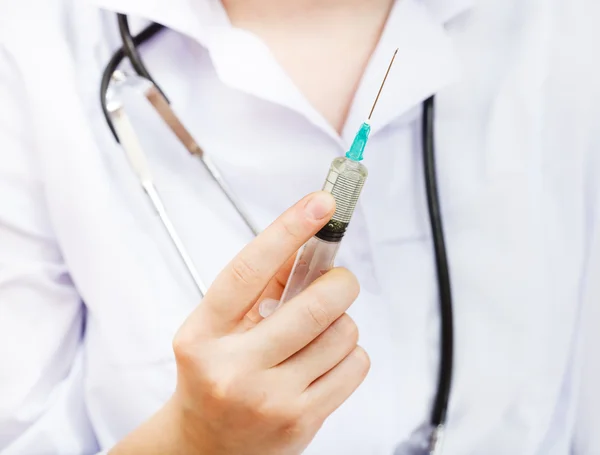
(248, 385)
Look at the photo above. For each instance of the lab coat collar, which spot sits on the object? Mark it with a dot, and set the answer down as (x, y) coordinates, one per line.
(446, 10)
(186, 15)
(426, 61)
(195, 18)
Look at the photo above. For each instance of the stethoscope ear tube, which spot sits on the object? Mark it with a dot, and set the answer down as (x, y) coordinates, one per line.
(131, 51)
(148, 33)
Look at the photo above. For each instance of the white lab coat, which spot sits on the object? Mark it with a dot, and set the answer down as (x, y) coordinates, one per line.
(92, 291)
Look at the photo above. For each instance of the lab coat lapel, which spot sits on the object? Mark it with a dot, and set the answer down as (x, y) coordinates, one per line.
(426, 62)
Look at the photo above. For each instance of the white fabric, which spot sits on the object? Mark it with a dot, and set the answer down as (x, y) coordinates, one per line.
(518, 143)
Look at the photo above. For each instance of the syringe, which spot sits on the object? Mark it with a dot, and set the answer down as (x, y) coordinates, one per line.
(345, 181)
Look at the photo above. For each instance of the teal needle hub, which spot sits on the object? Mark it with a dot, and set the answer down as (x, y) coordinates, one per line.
(360, 142)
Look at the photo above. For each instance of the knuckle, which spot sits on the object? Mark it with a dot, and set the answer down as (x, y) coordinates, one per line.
(351, 283)
(244, 272)
(318, 314)
(346, 328)
(311, 423)
(309, 420)
(297, 428)
(183, 345)
(222, 386)
(201, 363)
(362, 360)
(276, 414)
(220, 389)
(291, 227)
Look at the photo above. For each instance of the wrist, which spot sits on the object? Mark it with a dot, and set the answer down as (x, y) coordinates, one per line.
(172, 421)
(164, 432)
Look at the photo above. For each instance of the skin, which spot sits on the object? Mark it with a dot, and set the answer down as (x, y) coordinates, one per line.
(253, 386)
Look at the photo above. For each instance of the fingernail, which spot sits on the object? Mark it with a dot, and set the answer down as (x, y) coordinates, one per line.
(319, 206)
(267, 307)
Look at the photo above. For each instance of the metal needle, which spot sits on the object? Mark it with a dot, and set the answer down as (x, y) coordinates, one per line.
(382, 84)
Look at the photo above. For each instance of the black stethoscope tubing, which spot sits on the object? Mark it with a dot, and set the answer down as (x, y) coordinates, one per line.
(442, 397)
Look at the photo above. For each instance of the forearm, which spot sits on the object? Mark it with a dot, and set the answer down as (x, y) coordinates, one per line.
(161, 434)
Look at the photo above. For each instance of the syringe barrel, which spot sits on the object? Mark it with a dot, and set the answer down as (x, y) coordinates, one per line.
(345, 182)
(314, 259)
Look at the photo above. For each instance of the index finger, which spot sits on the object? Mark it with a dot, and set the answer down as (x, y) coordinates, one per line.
(241, 283)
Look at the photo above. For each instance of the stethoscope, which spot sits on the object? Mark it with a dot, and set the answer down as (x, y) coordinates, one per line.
(114, 80)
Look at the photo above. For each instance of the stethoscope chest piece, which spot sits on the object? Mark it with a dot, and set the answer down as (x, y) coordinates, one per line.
(425, 440)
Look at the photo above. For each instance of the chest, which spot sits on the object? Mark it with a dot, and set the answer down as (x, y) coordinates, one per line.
(323, 49)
